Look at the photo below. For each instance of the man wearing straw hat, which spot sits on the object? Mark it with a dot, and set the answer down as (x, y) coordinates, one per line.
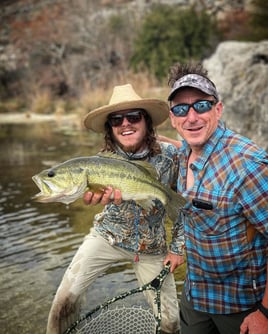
(119, 234)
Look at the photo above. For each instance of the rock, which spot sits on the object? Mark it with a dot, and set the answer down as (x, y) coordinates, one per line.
(240, 72)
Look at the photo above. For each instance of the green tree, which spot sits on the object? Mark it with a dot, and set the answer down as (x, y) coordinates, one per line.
(259, 20)
(169, 34)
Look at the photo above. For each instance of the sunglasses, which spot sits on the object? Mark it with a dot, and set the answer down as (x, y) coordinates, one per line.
(133, 117)
(202, 106)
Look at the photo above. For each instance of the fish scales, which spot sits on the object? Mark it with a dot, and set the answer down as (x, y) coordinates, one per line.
(126, 176)
(137, 181)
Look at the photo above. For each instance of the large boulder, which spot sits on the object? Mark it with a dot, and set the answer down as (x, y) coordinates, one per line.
(240, 72)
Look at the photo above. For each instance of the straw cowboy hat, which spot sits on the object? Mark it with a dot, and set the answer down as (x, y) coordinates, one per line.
(123, 98)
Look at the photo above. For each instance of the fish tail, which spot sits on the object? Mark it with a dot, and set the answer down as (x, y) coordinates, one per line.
(174, 205)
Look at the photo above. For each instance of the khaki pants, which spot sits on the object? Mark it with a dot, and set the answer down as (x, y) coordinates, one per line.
(92, 259)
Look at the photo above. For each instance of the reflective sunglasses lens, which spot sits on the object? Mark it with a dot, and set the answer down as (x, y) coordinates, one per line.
(180, 110)
(202, 106)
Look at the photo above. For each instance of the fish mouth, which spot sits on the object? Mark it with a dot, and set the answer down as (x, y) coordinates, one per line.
(49, 192)
(41, 198)
(45, 186)
(56, 197)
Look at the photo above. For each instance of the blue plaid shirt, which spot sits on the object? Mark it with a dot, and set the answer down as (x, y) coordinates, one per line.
(226, 268)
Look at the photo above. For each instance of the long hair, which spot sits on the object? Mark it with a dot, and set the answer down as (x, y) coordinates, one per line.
(150, 137)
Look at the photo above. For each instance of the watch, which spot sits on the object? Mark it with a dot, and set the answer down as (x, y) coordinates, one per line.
(263, 309)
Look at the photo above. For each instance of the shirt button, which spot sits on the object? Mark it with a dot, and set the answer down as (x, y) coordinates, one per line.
(192, 166)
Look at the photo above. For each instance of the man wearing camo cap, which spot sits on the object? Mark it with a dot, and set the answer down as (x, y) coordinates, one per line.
(224, 178)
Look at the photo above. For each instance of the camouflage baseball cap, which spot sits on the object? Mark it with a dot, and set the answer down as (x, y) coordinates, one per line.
(195, 81)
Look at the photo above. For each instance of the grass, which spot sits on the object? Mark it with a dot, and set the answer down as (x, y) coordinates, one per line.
(144, 85)
(42, 101)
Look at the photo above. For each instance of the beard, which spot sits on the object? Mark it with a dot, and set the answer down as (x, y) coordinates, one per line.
(132, 148)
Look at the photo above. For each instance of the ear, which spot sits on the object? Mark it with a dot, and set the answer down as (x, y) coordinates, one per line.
(172, 120)
(219, 108)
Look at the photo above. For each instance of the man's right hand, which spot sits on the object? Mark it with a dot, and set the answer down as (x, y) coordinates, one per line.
(107, 196)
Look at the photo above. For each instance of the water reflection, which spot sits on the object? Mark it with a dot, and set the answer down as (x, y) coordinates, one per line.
(38, 241)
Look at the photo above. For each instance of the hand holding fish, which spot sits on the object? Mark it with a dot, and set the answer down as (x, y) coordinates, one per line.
(103, 198)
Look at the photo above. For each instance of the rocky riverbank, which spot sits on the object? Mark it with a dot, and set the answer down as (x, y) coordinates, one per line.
(240, 72)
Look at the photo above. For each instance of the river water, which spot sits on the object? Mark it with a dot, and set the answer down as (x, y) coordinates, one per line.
(38, 241)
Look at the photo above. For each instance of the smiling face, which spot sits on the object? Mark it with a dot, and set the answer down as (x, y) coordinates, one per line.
(130, 136)
(195, 128)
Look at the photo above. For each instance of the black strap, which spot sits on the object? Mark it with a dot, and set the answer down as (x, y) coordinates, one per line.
(263, 309)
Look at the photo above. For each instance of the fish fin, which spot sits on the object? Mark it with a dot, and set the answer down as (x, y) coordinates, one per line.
(145, 166)
(95, 187)
(111, 155)
(174, 204)
(147, 204)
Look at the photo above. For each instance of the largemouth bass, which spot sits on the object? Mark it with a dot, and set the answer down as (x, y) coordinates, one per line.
(137, 181)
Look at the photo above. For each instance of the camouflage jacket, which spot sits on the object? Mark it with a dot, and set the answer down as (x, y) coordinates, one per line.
(135, 230)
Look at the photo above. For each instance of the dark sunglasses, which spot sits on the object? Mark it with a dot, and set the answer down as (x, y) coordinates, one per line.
(202, 106)
(133, 117)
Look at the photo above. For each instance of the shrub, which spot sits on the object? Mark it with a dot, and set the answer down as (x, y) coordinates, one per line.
(259, 20)
(168, 35)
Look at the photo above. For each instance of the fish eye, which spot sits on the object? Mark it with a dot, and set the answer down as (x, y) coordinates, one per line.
(51, 173)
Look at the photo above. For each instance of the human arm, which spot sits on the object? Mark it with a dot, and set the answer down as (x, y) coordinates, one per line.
(256, 322)
(176, 248)
(165, 139)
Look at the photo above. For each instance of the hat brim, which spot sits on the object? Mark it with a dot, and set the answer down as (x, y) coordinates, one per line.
(157, 109)
(196, 81)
